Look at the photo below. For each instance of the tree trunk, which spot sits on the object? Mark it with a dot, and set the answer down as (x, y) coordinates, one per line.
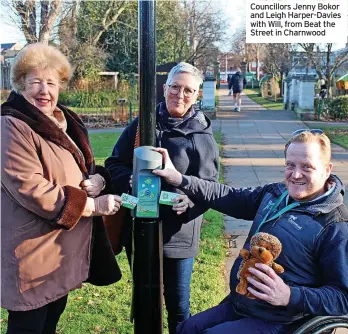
(28, 21)
(27, 13)
(329, 86)
(257, 70)
(107, 22)
(47, 19)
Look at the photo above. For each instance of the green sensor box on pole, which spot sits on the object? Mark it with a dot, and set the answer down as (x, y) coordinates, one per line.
(146, 186)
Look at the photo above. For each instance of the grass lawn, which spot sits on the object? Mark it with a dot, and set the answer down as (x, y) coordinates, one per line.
(217, 97)
(254, 95)
(106, 309)
(338, 135)
(102, 144)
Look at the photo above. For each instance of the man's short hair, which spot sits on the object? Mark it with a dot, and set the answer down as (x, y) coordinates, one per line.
(307, 136)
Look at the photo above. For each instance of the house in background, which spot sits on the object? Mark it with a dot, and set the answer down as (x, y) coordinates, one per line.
(343, 69)
(229, 61)
(8, 52)
(300, 64)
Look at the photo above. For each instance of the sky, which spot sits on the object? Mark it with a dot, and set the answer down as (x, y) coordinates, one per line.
(235, 13)
(233, 10)
(10, 34)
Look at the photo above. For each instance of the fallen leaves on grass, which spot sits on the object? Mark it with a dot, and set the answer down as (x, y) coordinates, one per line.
(338, 132)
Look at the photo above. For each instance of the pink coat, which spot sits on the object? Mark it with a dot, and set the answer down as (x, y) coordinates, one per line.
(45, 243)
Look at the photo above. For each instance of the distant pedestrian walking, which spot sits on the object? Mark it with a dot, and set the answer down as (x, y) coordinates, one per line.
(238, 82)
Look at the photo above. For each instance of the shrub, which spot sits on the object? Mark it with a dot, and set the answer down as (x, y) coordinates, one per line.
(338, 107)
(68, 98)
(88, 99)
(334, 108)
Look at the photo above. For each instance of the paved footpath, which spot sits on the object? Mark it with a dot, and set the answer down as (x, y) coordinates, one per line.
(253, 155)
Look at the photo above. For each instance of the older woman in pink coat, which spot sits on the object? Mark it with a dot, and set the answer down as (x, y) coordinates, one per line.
(52, 197)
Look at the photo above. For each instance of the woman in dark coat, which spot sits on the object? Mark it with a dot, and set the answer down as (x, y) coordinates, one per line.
(188, 137)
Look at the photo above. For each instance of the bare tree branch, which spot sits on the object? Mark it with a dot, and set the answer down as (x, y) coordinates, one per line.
(325, 61)
(107, 21)
(35, 29)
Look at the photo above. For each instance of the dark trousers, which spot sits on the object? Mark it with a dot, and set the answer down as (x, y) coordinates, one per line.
(223, 319)
(42, 320)
(177, 275)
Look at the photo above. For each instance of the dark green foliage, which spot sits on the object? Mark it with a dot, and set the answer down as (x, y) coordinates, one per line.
(334, 108)
(86, 99)
(338, 107)
(120, 41)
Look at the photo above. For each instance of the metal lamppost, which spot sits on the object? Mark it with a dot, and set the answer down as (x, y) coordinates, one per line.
(147, 308)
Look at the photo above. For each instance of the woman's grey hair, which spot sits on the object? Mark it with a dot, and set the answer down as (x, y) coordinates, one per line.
(185, 68)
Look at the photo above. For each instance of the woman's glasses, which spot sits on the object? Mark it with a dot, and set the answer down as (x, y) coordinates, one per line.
(175, 90)
(314, 131)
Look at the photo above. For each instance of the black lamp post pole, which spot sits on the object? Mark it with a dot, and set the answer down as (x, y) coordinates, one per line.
(147, 233)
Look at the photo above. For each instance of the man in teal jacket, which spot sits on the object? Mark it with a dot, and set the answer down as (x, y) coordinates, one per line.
(307, 214)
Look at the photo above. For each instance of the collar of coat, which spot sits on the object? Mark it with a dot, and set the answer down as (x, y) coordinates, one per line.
(17, 106)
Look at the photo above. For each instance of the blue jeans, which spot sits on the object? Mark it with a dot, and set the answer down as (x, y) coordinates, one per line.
(176, 280)
(223, 319)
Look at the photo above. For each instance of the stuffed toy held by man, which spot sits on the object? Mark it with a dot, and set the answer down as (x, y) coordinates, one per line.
(264, 248)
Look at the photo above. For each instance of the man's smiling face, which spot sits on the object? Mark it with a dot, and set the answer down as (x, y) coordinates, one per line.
(306, 172)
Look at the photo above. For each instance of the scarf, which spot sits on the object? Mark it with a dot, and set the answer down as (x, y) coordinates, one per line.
(170, 122)
(53, 129)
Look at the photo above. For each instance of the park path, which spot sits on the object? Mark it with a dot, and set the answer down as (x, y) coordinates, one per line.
(253, 155)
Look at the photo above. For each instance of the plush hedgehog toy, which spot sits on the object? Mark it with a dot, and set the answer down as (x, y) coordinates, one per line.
(264, 248)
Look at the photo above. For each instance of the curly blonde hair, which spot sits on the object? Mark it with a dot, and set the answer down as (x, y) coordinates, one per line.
(40, 56)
